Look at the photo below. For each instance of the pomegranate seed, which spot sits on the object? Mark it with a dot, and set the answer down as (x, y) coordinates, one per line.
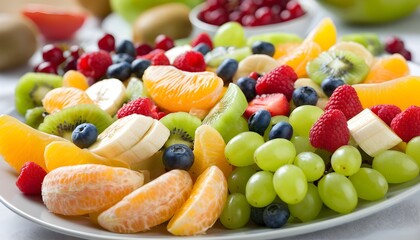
(285, 15)
(295, 9)
(236, 16)
(75, 51)
(164, 42)
(46, 67)
(263, 16)
(107, 43)
(143, 49)
(218, 17)
(254, 75)
(394, 45)
(52, 54)
(248, 7)
(70, 64)
(406, 54)
(249, 21)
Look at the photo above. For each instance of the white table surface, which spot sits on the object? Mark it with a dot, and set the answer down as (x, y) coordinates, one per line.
(401, 221)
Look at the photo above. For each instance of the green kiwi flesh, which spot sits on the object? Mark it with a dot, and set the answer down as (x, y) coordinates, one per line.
(371, 41)
(343, 65)
(31, 89)
(182, 126)
(63, 123)
(35, 116)
(135, 89)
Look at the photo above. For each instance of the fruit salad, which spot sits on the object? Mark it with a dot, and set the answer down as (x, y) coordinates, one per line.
(264, 131)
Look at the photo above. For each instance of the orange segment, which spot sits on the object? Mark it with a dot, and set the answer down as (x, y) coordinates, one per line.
(387, 68)
(20, 143)
(75, 79)
(283, 49)
(325, 34)
(150, 205)
(176, 90)
(82, 189)
(203, 207)
(402, 92)
(63, 97)
(300, 56)
(209, 150)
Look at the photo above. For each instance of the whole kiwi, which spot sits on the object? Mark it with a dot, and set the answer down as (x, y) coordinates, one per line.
(98, 8)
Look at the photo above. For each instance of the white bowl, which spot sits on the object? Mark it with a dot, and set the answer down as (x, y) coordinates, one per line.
(298, 26)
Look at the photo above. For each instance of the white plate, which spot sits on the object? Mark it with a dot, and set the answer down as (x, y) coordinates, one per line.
(33, 209)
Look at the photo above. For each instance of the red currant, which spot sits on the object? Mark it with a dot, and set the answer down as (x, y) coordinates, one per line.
(164, 42)
(46, 67)
(107, 43)
(394, 45)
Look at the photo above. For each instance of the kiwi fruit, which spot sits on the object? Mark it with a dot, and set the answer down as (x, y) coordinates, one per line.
(31, 89)
(35, 116)
(182, 126)
(344, 65)
(63, 123)
(371, 41)
(135, 89)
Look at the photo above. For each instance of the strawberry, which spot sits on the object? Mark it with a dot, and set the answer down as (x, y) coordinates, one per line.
(143, 106)
(345, 99)
(407, 123)
(386, 112)
(202, 38)
(330, 131)
(275, 103)
(190, 61)
(94, 64)
(30, 178)
(279, 80)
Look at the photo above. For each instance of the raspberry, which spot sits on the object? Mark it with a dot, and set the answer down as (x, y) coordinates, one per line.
(386, 112)
(345, 99)
(94, 64)
(160, 59)
(151, 54)
(202, 38)
(407, 123)
(143, 106)
(278, 80)
(191, 61)
(330, 131)
(275, 103)
(30, 178)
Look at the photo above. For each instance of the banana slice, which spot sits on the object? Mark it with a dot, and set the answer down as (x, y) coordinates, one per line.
(259, 63)
(371, 133)
(121, 135)
(355, 48)
(108, 94)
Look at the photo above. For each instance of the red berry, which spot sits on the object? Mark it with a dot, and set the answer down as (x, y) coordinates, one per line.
(143, 106)
(407, 123)
(75, 51)
(217, 17)
(202, 38)
(164, 42)
(52, 54)
(160, 59)
(30, 178)
(263, 16)
(345, 99)
(406, 54)
(330, 131)
(394, 45)
(107, 43)
(94, 64)
(295, 9)
(70, 64)
(191, 61)
(279, 80)
(254, 75)
(386, 112)
(46, 67)
(151, 54)
(143, 49)
(276, 104)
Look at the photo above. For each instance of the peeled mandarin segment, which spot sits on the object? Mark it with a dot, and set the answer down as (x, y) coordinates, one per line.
(20, 143)
(176, 90)
(62, 97)
(152, 204)
(283, 49)
(324, 34)
(75, 79)
(203, 207)
(387, 68)
(209, 150)
(402, 92)
(87, 188)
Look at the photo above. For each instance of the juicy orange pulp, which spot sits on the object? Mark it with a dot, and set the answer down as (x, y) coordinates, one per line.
(283, 49)
(300, 56)
(75, 79)
(63, 97)
(324, 34)
(387, 68)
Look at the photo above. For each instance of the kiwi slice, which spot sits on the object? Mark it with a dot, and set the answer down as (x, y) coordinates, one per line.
(135, 89)
(371, 41)
(63, 123)
(35, 116)
(217, 55)
(227, 111)
(182, 126)
(31, 89)
(343, 65)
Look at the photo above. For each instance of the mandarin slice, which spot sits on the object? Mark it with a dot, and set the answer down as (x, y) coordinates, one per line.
(324, 34)
(387, 68)
(87, 188)
(62, 97)
(75, 79)
(152, 204)
(203, 207)
(176, 90)
(300, 56)
(283, 49)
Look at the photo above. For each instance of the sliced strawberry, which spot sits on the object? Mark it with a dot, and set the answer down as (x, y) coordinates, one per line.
(275, 103)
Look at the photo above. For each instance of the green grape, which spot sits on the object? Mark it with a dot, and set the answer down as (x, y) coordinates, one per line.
(275, 38)
(395, 166)
(309, 208)
(239, 126)
(236, 212)
(239, 151)
(274, 120)
(369, 184)
(217, 55)
(290, 184)
(230, 34)
(259, 189)
(303, 117)
(337, 192)
(346, 160)
(239, 177)
(413, 149)
(312, 165)
(302, 144)
(274, 154)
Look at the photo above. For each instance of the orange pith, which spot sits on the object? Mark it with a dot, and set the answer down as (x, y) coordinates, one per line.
(175, 90)
(63, 97)
(75, 79)
(203, 207)
(300, 56)
(324, 34)
(150, 205)
(87, 188)
(387, 68)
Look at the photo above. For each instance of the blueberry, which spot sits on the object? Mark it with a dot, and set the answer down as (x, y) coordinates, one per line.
(330, 84)
(122, 57)
(257, 215)
(138, 67)
(276, 215)
(121, 71)
(259, 121)
(178, 156)
(260, 47)
(304, 96)
(84, 135)
(247, 85)
(227, 69)
(281, 130)
(127, 47)
(203, 48)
